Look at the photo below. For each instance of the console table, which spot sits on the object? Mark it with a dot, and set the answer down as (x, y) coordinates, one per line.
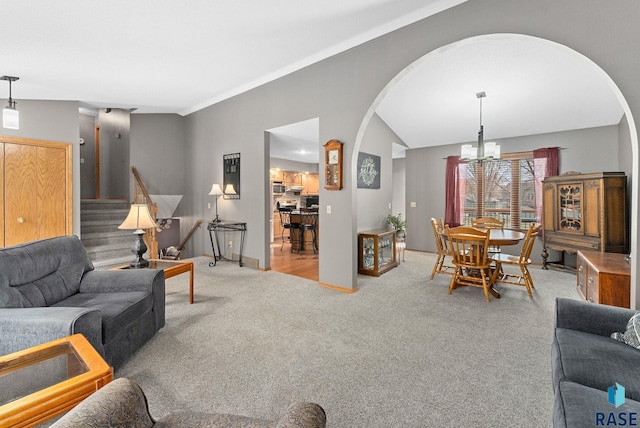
(215, 227)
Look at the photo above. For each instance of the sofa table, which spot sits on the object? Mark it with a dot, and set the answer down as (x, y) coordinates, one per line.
(171, 268)
(44, 381)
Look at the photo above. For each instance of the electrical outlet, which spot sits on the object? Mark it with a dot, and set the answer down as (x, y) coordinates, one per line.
(208, 205)
(230, 244)
(413, 204)
(328, 209)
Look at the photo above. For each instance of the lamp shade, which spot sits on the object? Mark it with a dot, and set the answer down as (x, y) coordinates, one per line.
(139, 218)
(10, 118)
(216, 190)
(229, 190)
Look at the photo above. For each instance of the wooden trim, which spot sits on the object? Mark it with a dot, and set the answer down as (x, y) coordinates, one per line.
(341, 289)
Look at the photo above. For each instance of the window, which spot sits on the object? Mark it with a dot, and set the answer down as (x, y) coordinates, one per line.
(509, 188)
(504, 189)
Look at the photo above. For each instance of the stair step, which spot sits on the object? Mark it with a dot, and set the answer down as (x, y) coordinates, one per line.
(99, 204)
(103, 215)
(123, 241)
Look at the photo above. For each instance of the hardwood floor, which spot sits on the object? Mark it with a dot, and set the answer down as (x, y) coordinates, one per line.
(304, 265)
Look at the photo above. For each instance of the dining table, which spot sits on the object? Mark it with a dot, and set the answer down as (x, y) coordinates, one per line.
(503, 238)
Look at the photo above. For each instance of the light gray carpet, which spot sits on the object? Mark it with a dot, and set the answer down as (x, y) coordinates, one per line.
(401, 352)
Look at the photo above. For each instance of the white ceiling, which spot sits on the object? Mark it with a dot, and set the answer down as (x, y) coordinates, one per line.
(160, 56)
(165, 56)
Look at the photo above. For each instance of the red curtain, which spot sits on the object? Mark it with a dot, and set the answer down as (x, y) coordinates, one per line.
(546, 164)
(455, 189)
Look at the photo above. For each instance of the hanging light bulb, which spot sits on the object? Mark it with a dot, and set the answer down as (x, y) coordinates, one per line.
(10, 116)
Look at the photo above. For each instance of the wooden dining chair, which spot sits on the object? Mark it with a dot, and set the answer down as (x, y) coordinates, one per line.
(442, 248)
(489, 223)
(522, 261)
(469, 247)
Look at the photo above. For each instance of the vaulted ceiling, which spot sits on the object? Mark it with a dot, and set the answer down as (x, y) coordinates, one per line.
(161, 56)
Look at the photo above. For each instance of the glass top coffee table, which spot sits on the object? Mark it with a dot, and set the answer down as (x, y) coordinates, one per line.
(171, 268)
(41, 382)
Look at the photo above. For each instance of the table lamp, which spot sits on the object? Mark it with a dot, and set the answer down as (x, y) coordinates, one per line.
(139, 218)
(216, 191)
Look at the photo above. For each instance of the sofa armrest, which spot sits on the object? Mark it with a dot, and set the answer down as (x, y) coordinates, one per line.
(591, 317)
(120, 403)
(22, 328)
(115, 281)
(303, 415)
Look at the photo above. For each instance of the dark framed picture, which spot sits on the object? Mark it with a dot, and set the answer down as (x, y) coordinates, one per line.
(368, 171)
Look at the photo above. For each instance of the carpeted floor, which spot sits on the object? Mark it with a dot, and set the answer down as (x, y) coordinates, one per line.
(401, 352)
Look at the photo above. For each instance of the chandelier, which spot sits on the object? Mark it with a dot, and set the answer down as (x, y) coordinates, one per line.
(485, 151)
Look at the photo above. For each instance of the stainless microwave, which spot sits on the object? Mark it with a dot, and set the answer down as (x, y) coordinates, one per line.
(279, 188)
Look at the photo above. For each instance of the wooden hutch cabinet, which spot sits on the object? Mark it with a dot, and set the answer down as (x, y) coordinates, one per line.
(585, 212)
(604, 278)
(376, 252)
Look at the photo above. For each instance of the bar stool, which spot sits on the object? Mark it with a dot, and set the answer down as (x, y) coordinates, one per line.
(308, 221)
(286, 224)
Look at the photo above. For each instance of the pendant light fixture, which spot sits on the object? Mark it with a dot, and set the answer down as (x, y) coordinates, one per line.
(10, 116)
(484, 151)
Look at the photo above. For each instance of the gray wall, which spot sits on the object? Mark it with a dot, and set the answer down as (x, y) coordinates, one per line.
(398, 198)
(342, 90)
(374, 204)
(584, 150)
(115, 174)
(88, 156)
(53, 121)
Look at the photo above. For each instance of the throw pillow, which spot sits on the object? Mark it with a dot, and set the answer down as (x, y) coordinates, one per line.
(632, 336)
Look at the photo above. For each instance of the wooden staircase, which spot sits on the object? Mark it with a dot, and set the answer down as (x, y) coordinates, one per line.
(99, 221)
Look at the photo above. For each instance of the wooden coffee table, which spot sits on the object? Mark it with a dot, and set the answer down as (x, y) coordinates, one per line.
(44, 381)
(171, 268)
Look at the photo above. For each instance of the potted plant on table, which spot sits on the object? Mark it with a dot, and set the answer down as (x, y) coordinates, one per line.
(398, 224)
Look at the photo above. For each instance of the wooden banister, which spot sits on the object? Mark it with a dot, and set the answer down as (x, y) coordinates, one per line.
(141, 196)
(195, 226)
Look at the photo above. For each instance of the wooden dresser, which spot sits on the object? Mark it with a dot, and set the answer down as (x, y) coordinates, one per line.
(604, 278)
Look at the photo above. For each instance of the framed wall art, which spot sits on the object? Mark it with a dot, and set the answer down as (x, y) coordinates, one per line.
(368, 171)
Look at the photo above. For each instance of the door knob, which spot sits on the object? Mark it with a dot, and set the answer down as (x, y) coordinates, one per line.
(20, 219)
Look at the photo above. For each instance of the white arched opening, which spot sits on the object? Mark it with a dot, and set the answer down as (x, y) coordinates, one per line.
(546, 44)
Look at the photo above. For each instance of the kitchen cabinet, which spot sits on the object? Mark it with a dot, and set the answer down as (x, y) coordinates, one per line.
(376, 252)
(311, 184)
(36, 187)
(604, 278)
(292, 178)
(585, 212)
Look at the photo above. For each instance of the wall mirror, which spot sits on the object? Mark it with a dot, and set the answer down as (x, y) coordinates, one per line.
(231, 181)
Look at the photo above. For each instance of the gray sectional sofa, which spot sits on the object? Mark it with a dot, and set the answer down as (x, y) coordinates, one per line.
(586, 362)
(49, 289)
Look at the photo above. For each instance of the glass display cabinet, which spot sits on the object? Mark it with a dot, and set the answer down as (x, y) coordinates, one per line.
(376, 252)
(585, 212)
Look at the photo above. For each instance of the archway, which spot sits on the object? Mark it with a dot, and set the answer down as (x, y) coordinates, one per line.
(546, 44)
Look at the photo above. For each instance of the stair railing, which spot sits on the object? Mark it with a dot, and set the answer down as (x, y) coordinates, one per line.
(141, 196)
(191, 232)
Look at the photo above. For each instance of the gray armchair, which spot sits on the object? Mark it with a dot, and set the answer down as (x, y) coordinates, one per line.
(49, 289)
(122, 403)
